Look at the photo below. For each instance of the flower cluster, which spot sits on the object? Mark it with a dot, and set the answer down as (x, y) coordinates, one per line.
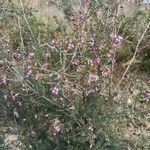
(117, 39)
(78, 18)
(16, 56)
(3, 80)
(29, 71)
(55, 90)
(148, 95)
(93, 62)
(31, 56)
(1, 63)
(92, 77)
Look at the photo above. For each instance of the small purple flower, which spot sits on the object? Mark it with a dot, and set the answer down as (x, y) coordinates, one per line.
(75, 61)
(72, 18)
(29, 68)
(102, 45)
(97, 61)
(29, 73)
(114, 45)
(106, 72)
(70, 46)
(1, 63)
(3, 80)
(148, 95)
(90, 62)
(113, 61)
(55, 90)
(47, 56)
(16, 56)
(31, 56)
(92, 77)
(44, 67)
(117, 39)
(113, 35)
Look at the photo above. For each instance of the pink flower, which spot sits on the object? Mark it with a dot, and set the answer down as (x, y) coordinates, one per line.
(3, 80)
(75, 61)
(70, 46)
(106, 72)
(102, 45)
(29, 73)
(117, 39)
(55, 90)
(148, 95)
(72, 18)
(113, 35)
(47, 56)
(90, 62)
(31, 56)
(92, 77)
(16, 56)
(97, 61)
(1, 63)
(112, 60)
(44, 67)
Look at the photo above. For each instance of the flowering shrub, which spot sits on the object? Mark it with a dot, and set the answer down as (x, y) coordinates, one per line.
(59, 88)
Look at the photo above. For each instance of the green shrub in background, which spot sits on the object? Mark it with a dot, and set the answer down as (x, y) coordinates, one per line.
(56, 87)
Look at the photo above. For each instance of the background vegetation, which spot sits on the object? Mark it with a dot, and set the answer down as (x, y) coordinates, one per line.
(74, 75)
